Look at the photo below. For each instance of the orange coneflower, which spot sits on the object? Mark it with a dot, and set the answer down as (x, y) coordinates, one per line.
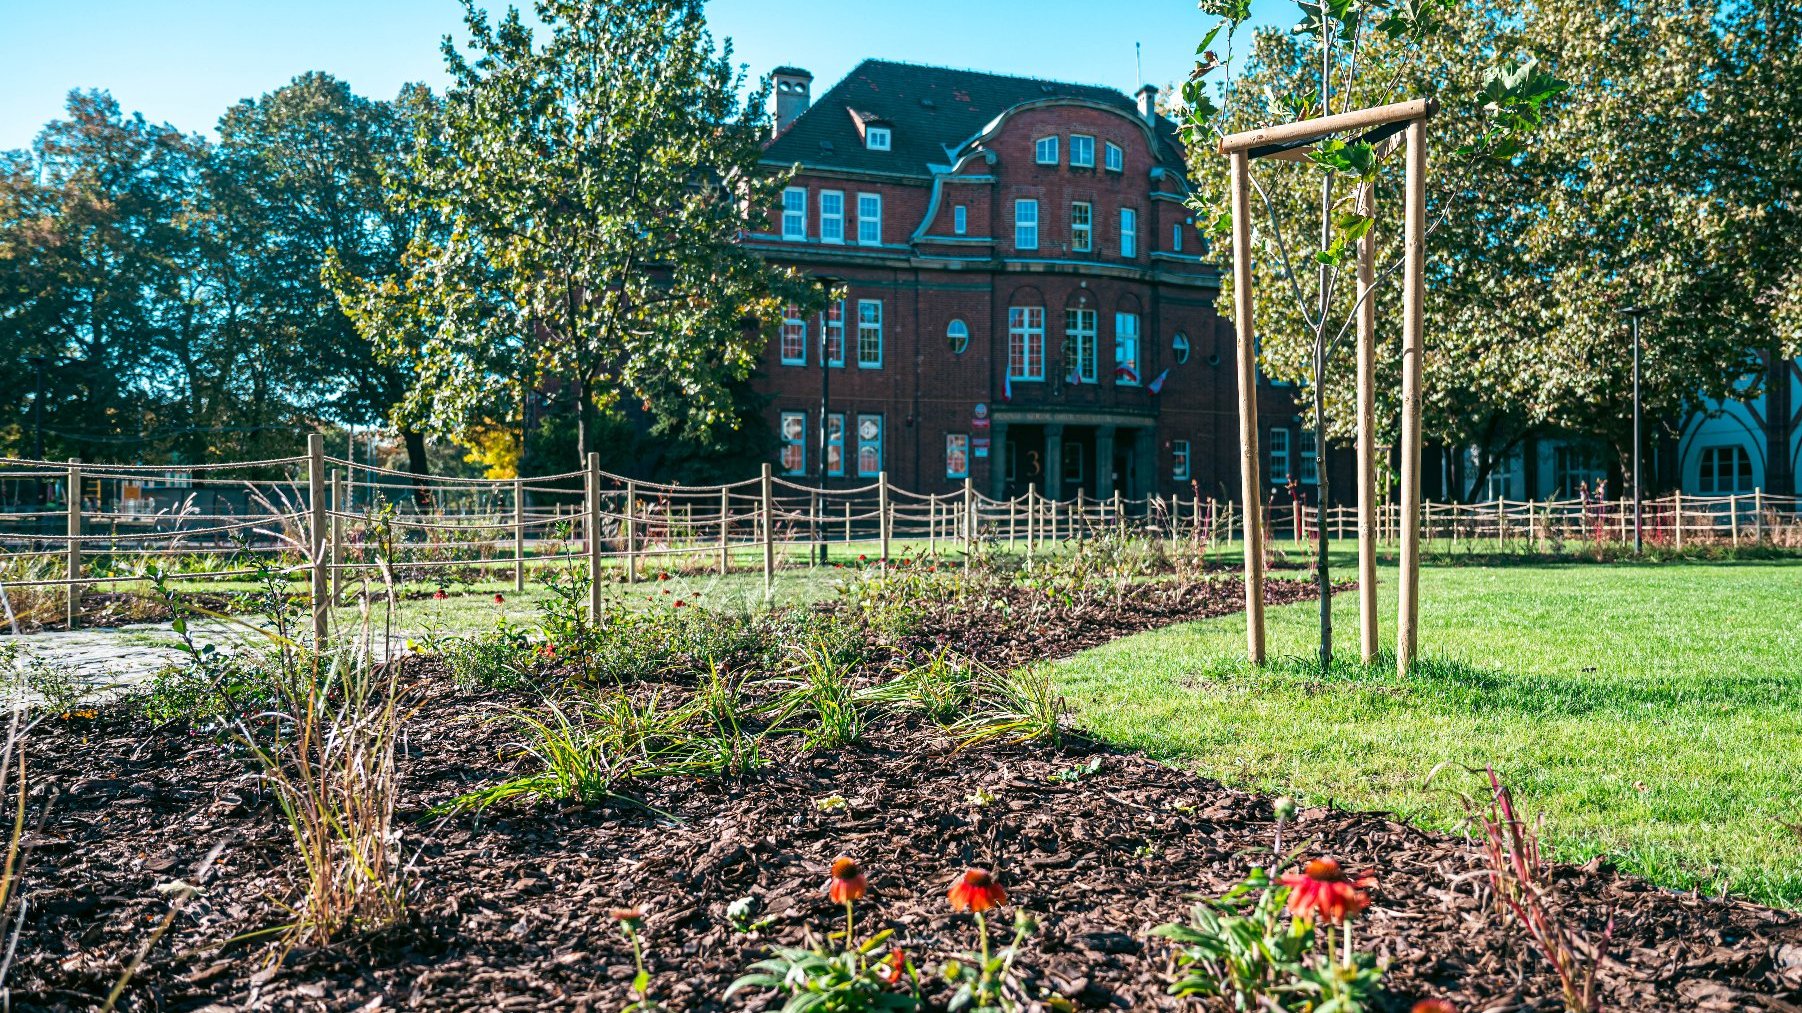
(631, 918)
(846, 886)
(847, 882)
(1433, 1006)
(498, 599)
(977, 891)
(438, 594)
(1323, 888)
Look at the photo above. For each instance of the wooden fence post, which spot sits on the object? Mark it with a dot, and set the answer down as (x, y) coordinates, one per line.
(969, 521)
(519, 534)
(1051, 504)
(725, 529)
(1414, 246)
(1031, 520)
(72, 553)
(1758, 515)
(593, 524)
(1012, 510)
(1119, 515)
(769, 534)
(628, 528)
(883, 515)
(1733, 514)
(318, 547)
(932, 524)
(337, 533)
(1677, 515)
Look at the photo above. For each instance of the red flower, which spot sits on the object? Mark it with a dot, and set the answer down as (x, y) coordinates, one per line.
(891, 967)
(498, 599)
(847, 882)
(437, 594)
(1433, 1006)
(976, 890)
(663, 576)
(861, 558)
(548, 650)
(679, 603)
(1323, 888)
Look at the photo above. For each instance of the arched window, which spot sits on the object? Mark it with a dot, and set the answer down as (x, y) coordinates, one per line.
(1179, 345)
(957, 334)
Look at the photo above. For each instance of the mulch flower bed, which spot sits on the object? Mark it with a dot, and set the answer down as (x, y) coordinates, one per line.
(511, 908)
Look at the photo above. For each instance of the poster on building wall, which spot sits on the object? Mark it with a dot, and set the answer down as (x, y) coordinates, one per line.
(979, 446)
(979, 416)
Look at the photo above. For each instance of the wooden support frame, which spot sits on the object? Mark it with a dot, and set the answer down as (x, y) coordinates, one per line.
(1379, 125)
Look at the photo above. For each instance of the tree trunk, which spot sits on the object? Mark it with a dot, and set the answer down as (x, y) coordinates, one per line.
(581, 421)
(417, 464)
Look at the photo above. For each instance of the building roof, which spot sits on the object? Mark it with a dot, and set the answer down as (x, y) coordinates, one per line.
(932, 111)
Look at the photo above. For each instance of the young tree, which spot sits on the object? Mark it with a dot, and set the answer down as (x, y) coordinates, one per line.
(1346, 55)
(597, 173)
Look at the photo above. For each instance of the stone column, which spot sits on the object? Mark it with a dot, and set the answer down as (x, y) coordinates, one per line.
(998, 460)
(1104, 461)
(1054, 460)
(1145, 461)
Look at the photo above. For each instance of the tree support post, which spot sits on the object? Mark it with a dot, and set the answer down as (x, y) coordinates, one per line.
(628, 527)
(1407, 632)
(1368, 632)
(1250, 480)
(318, 536)
(725, 530)
(969, 522)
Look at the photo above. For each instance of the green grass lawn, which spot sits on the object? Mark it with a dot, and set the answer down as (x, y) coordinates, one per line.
(1649, 713)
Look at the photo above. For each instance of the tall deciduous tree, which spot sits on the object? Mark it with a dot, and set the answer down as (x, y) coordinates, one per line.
(589, 185)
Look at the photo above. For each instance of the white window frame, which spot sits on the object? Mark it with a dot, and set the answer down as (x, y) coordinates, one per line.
(1026, 330)
(1179, 460)
(1709, 478)
(1129, 233)
(1176, 238)
(1082, 227)
(957, 332)
(877, 138)
(835, 441)
(1026, 224)
(869, 330)
(1279, 455)
(1088, 149)
(1115, 157)
(1126, 350)
(960, 220)
(956, 443)
(1080, 336)
(862, 443)
(794, 325)
(1304, 459)
(798, 442)
(869, 225)
(835, 329)
(1180, 349)
(794, 214)
(1044, 150)
(832, 222)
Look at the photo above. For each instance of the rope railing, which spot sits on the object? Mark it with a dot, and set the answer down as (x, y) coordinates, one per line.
(621, 525)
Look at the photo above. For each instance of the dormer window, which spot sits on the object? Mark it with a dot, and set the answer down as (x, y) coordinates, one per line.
(1082, 152)
(1045, 151)
(876, 138)
(1116, 158)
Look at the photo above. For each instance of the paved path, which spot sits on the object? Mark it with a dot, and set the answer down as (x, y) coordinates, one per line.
(108, 661)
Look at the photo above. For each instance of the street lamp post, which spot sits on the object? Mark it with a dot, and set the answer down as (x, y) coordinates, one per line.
(819, 533)
(37, 424)
(1633, 313)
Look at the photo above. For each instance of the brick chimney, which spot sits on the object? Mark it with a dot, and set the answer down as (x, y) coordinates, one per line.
(790, 95)
(1148, 104)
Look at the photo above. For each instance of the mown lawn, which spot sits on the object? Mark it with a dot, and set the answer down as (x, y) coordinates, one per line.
(1649, 713)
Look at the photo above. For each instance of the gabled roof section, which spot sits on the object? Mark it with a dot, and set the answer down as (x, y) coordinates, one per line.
(931, 110)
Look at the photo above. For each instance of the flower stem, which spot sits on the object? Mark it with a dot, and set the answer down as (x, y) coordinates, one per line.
(850, 924)
(982, 934)
(1348, 943)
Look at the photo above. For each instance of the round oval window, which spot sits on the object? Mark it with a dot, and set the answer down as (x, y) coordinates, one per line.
(1180, 345)
(958, 334)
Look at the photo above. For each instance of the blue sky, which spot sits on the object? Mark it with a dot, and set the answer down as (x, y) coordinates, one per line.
(184, 61)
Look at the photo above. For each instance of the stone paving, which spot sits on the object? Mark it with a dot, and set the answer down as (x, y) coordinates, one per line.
(104, 662)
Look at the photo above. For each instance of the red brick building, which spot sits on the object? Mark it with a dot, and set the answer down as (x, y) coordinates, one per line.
(1028, 300)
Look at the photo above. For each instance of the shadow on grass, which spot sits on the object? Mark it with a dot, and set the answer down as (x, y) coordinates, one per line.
(1460, 687)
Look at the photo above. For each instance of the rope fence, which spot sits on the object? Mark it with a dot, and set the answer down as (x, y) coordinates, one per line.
(334, 520)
